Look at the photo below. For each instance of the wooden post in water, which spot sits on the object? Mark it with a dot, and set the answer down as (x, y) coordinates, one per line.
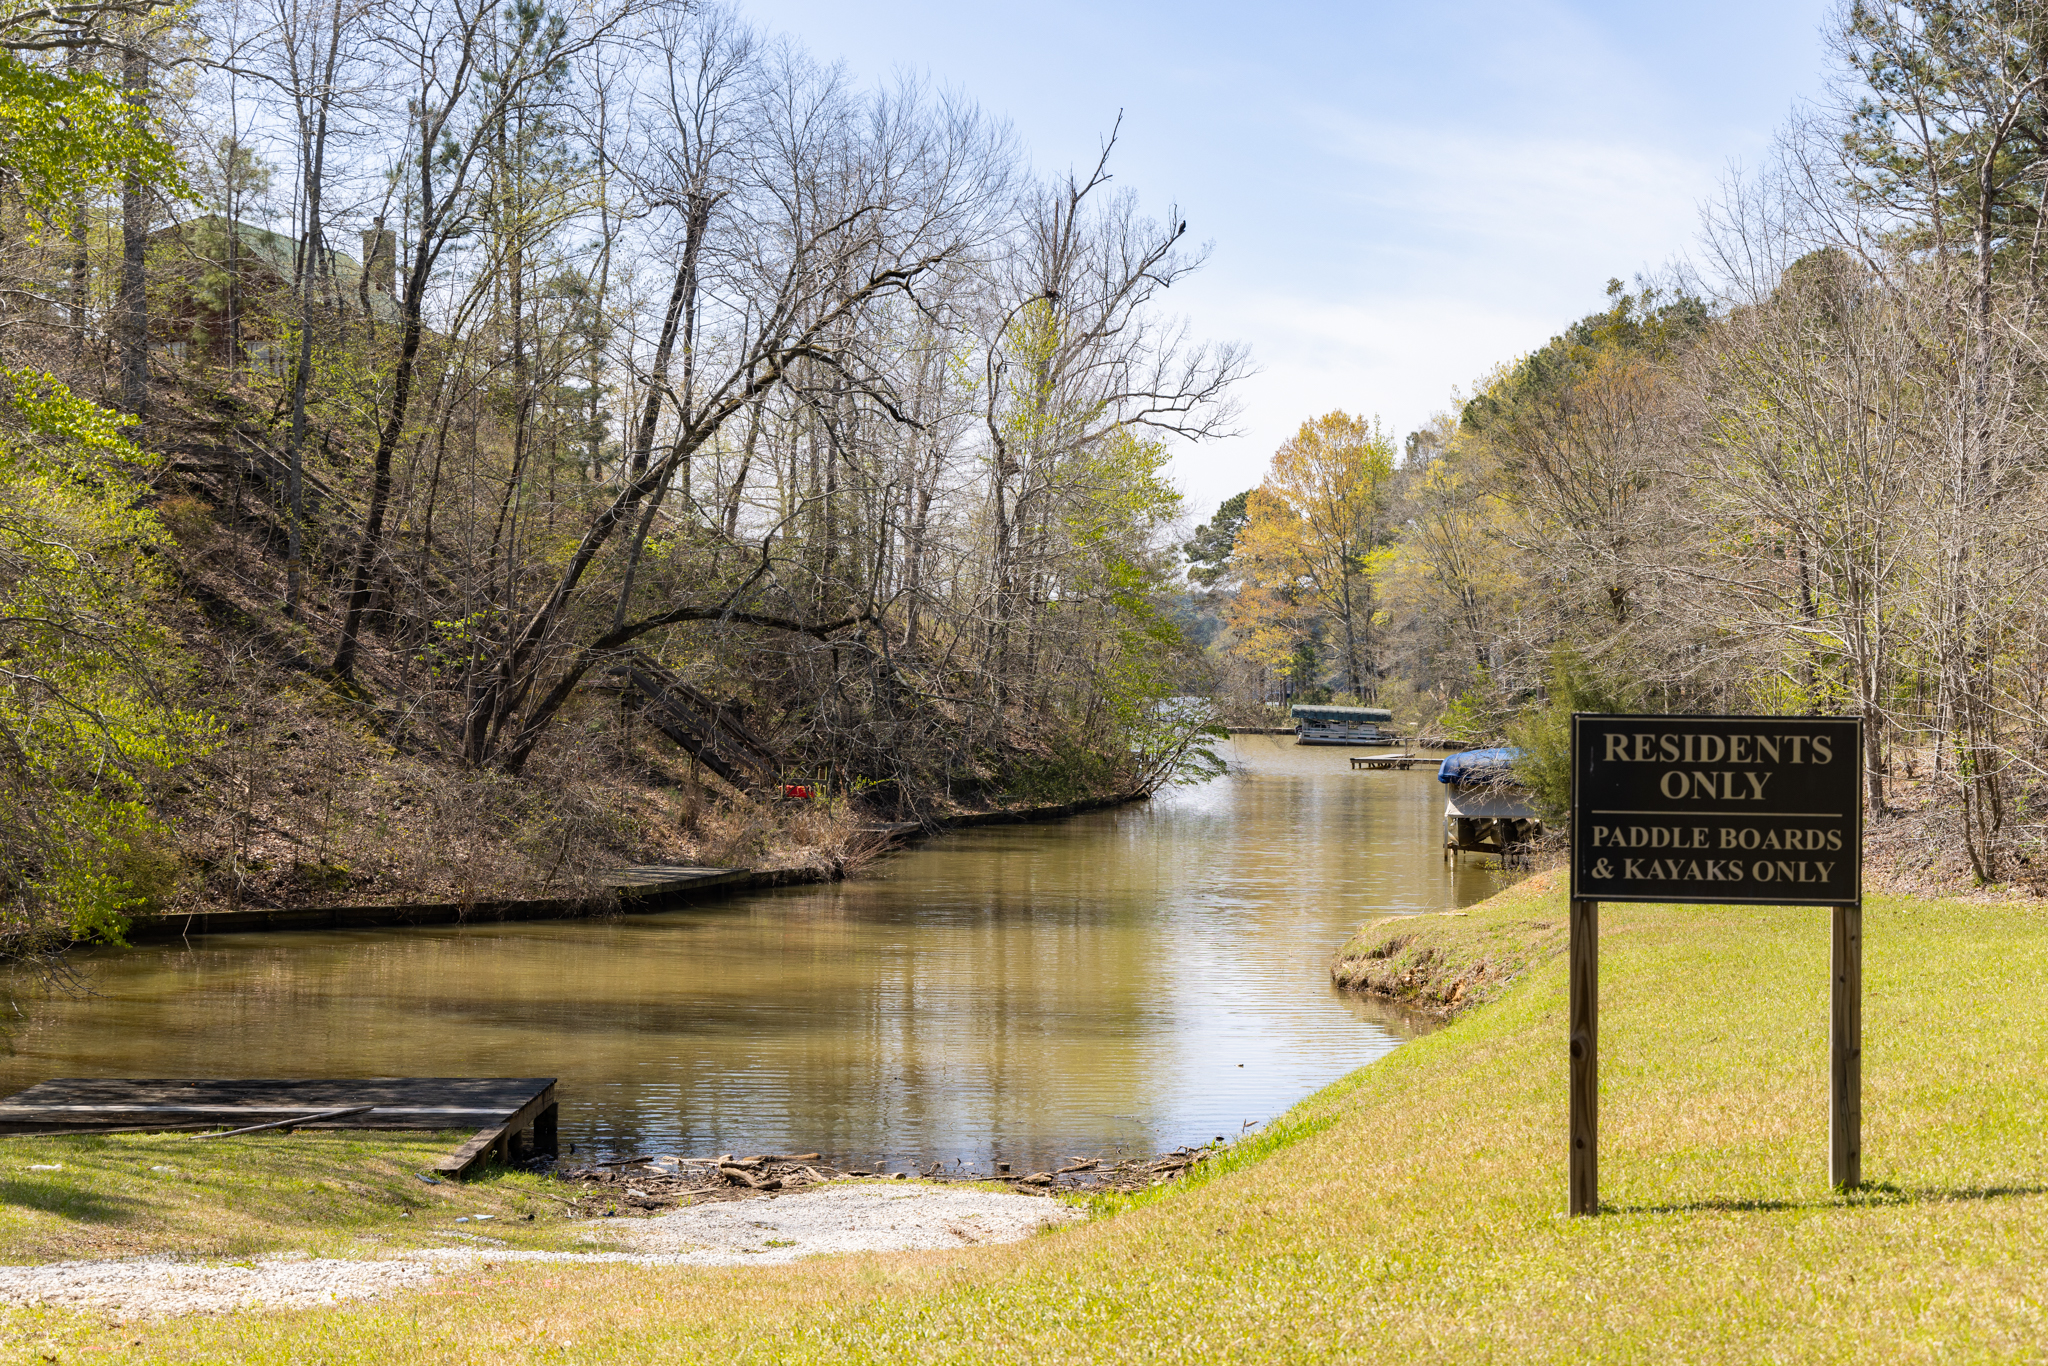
(1845, 1052)
(1585, 1057)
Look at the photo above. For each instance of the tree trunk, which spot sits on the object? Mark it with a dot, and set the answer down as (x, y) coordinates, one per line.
(234, 292)
(134, 303)
(308, 260)
(739, 480)
(367, 550)
(678, 321)
(81, 266)
(81, 262)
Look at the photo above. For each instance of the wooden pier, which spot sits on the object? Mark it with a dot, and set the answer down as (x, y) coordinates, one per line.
(1384, 760)
(668, 879)
(513, 1116)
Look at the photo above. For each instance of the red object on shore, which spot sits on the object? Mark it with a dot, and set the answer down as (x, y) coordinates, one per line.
(796, 793)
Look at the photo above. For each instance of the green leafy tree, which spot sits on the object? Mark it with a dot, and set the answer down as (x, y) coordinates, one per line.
(1543, 730)
(88, 716)
(62, 130)
(1215, 540)
(88, 720)
(1314, 543)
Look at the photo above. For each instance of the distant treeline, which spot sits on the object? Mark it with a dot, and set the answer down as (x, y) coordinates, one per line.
(1803, 473)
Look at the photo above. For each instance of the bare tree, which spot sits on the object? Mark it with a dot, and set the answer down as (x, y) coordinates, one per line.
(1072, 358)
(458, 97)
(839, 209)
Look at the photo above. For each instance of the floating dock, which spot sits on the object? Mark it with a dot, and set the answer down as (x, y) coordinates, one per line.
(1326, 725)
(669, 879)
(513, 1116)
(1383, 760)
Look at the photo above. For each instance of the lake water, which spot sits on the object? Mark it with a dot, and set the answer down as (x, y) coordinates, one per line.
(1119, 983)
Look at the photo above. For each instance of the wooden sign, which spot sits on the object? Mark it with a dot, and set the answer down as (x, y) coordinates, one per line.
(1716, 810)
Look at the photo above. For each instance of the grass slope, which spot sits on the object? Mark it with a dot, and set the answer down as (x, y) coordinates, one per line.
(1413, 1211)
(1447, 961)
(334, 1194)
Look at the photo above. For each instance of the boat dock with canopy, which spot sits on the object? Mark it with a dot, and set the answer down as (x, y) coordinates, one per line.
(1325, 725)
(1487, 810)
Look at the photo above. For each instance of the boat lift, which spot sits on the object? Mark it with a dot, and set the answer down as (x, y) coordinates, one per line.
(1487, 811)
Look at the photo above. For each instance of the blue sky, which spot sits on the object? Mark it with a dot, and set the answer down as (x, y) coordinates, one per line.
(1400, 197)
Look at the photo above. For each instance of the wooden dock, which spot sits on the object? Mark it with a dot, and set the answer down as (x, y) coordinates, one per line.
(1384, 760)
(668, 879)
(513, 1116)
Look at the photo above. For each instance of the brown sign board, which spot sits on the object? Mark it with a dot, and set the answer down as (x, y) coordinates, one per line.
(1718, 809)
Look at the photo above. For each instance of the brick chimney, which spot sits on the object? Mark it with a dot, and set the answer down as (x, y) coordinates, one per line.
(380, 257)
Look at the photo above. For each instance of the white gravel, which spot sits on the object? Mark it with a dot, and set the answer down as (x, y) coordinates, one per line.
(760, 1232)
(861, 1218)
(151, 1286)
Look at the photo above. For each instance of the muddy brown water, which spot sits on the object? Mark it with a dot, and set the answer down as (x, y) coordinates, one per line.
(1118, 983)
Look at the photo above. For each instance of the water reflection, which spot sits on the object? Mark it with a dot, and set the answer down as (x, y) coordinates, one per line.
(1117, 983)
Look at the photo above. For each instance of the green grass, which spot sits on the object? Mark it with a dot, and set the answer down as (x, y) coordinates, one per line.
(332, 1194)
(1413, 1212)
(1449, 961)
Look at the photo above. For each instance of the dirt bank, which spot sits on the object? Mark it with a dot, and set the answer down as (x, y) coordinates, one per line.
(1449, 961)
(651, 1183)
(849, 851)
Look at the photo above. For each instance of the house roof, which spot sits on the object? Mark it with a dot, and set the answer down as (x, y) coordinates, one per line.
(278, 254)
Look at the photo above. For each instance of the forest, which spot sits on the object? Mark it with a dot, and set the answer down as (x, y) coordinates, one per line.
(1800, 471)
(455, 446)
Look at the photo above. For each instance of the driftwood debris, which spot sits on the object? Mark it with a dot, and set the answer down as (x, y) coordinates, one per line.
(651, 1183)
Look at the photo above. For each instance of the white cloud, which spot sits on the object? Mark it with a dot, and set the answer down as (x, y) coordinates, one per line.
(1442, 254)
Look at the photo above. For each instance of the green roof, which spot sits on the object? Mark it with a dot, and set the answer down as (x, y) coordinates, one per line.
(1357, 716)
(278, 254)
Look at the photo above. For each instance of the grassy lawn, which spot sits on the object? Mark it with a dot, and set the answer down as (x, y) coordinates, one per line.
(330, 1194)
(1413, 1211)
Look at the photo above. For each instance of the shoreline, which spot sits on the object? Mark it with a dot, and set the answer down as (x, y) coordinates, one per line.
(1416, 1204)
(1443, 963)
(703, 884)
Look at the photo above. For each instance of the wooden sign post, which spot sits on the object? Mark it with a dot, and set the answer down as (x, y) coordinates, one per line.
(1713, 810)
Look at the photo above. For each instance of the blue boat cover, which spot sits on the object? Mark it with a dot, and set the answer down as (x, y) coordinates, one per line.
(1478, 766)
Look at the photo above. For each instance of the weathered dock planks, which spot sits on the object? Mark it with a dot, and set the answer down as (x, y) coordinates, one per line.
(668, 879)
(1384, 760)
(509, 1114)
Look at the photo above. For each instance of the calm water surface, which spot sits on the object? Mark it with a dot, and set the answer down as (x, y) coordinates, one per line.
(1116, 983)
